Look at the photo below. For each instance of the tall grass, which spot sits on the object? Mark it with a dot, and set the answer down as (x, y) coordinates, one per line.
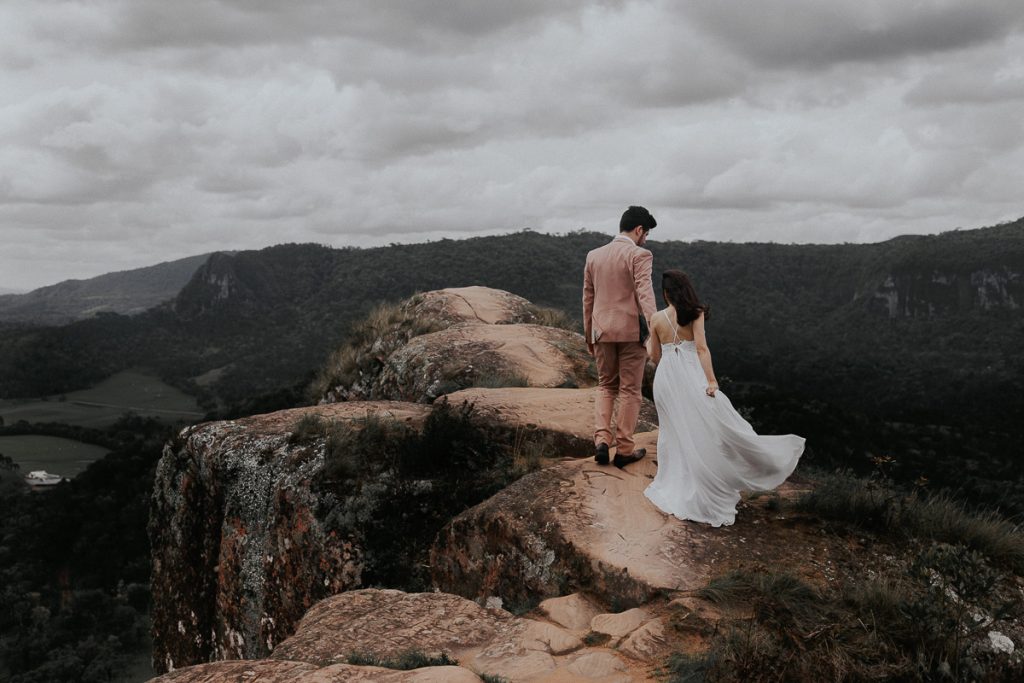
(924, 621)
(553, 317)
(879, 505)
(369, 343)
(925, 616)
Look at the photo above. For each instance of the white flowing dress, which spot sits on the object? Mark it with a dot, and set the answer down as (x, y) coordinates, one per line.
(707, 452)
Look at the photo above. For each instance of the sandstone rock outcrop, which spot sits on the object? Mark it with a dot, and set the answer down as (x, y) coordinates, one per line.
(239, 552)
(458, 338)
(270, 671)
(242, 551)
(235, 520)
(384, 623)
(565, 417)
(387, 625)
(577, 526)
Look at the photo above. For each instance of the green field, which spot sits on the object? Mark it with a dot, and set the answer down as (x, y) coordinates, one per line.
(101, 405)
(51, 453)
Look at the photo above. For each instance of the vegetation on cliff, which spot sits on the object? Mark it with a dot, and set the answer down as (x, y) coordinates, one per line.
(392, 487)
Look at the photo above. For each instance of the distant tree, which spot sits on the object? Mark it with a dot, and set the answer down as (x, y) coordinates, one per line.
(8, 464)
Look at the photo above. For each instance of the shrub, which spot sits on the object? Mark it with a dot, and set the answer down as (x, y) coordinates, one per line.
(498, 380)
(404, 661)
(492, 678)
(368, 345)
(308, 428)
(926, 617)
(393, 488)
(553, 317)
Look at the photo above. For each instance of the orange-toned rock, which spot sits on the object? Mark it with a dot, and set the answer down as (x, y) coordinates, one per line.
(574, 612)
(385, 623)
(239, 552)
(619, 624)
(565, 416)
(647, 642)
(476, 336)
(270, 671)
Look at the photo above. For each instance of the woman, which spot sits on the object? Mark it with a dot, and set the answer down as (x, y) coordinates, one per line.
(707, 453)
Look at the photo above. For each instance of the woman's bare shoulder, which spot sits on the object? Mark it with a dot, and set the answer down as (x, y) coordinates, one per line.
(660, 320)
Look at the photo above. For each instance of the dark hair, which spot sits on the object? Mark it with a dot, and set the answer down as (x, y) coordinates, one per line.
(679, 292)
(634, 216)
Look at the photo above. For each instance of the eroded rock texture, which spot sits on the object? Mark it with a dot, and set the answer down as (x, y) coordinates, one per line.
(540, 537)
(239, 553)
(389, 626)
(477, 336)
(385, 623)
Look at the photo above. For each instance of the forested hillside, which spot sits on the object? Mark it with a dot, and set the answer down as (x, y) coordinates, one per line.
(897, 327)
(908, 349)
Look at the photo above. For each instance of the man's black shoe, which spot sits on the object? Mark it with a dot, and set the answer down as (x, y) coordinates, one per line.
(602, 454)
(623, 460)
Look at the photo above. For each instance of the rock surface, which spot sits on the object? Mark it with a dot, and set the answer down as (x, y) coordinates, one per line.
(482, 305)
(234, 531)
(465, 355)
(239, 553)
(235, 520)
(485, 337)
(578, 526)
(383, 623)
(566, 416)
(619, 625)
(573, 612)
(270, 671)
(388, 624)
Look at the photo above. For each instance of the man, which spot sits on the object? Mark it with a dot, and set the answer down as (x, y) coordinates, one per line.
(618, 302)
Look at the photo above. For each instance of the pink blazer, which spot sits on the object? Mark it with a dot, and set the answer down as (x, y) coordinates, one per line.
(617, 276)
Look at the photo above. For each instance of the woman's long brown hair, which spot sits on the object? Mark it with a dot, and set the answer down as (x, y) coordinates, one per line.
(679, 292)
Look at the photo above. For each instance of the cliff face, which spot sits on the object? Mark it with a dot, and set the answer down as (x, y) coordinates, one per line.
(255, 520)
(927, 294)
(213, 284)
(239, 552)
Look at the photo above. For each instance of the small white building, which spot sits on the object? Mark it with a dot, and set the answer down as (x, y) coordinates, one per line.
(43, 478)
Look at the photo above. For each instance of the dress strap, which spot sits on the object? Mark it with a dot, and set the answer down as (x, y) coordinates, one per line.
(675, 328)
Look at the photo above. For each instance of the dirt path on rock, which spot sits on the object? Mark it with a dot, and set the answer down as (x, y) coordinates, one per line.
(629, 532)
(569, 411)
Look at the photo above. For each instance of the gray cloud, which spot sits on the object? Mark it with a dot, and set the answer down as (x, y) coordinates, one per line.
(812, 34)
(960, 86)
(135, 132)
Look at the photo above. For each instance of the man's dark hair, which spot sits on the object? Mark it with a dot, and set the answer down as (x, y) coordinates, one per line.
(634, 216)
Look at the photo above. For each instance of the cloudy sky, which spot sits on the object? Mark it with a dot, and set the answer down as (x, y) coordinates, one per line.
(137, 131)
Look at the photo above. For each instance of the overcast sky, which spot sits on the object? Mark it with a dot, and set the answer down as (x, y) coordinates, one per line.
(138, 131)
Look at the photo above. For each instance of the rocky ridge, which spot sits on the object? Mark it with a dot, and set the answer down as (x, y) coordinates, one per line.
(604, 585)
(914, 294)
(442, 341)
(241, 543)
(382, 625)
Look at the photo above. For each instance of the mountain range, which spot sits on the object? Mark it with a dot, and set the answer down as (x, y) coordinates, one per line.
(907, 326)
(127, 292)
